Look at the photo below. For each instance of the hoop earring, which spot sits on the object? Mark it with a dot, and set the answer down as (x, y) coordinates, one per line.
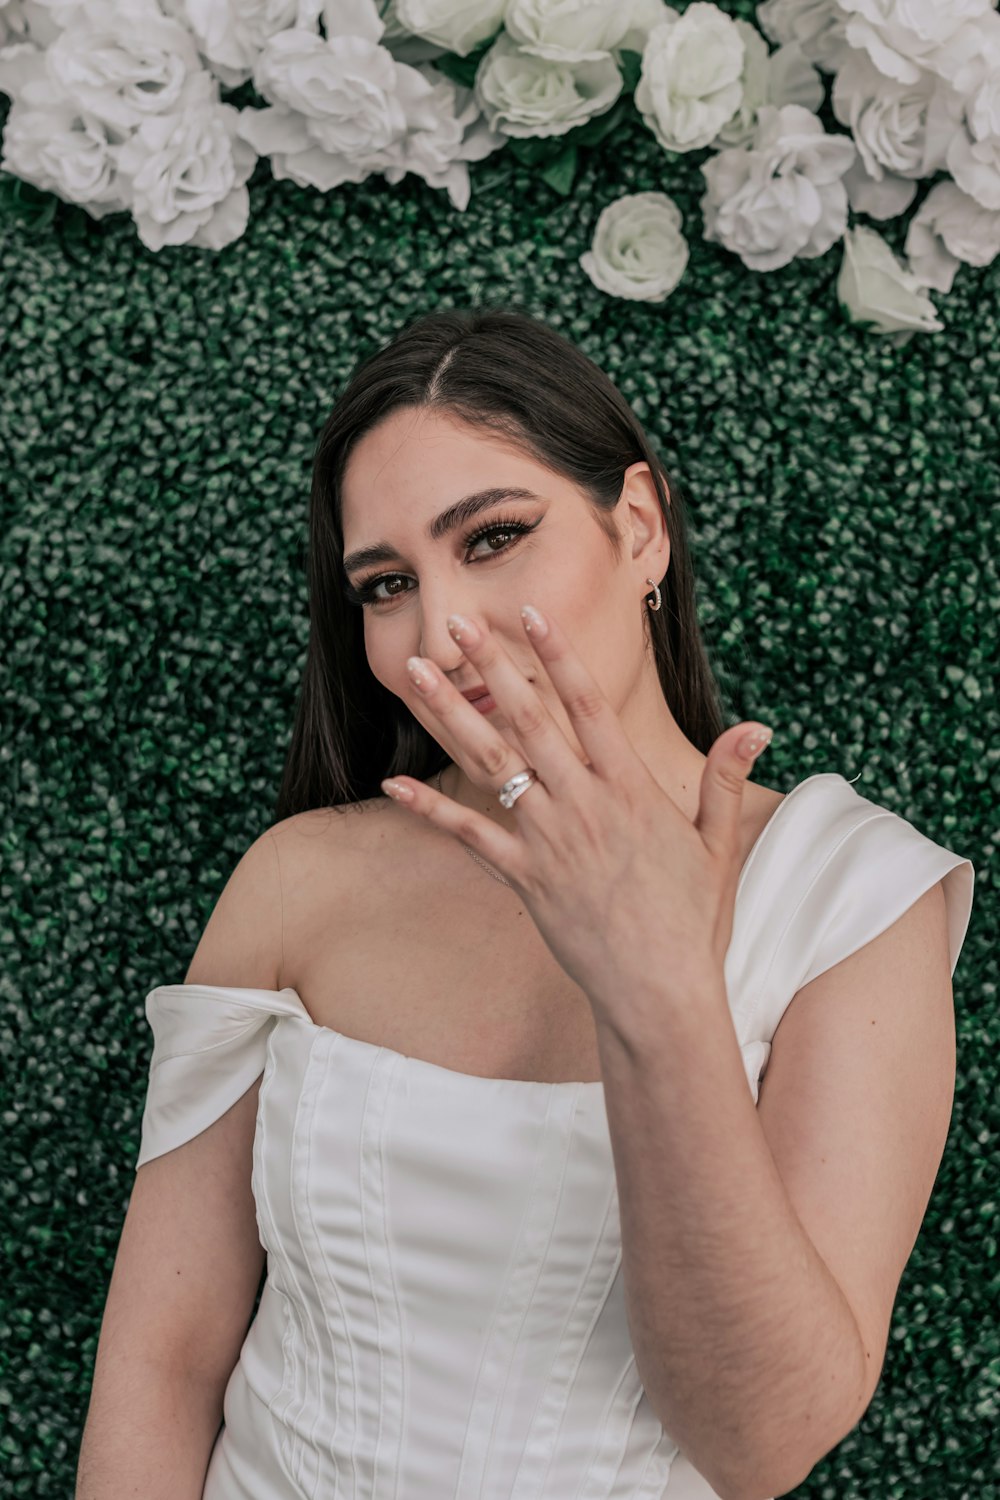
(656, 589)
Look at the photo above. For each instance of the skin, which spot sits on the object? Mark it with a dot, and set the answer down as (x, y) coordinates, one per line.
(408, 469)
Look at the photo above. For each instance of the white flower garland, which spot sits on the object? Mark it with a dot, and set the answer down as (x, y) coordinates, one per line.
(115, 105)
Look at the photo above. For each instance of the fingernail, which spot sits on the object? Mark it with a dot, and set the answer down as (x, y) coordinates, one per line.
(462, 629)
(754, 742)
(420, 676)
(534, 623)
(397, 790)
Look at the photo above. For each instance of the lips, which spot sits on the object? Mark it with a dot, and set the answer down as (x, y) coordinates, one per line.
(473, 693)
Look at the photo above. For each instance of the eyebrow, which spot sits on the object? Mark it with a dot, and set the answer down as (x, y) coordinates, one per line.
(449, 520)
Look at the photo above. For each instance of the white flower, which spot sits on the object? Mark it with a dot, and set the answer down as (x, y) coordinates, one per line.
(975, 166)
(335, 105)
(457, 25)
(983, 109)
(344, 107)
(13, 23)
(690, 80)
(643, 15)
(948, 228)
(567, 30)
(50, 141)
(972, 56)
(123, 61)
(782, 77)
(783, 197)
(638, 250)
(38, 21)
(440, 154)
(904, 128)
(404, 45)
(904, 36)
(187, 172)
(884, 197)
(522, 95)
(818, 26)
(874, 287)
(232, 33)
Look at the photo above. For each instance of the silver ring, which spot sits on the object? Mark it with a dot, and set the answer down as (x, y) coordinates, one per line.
(512, 789)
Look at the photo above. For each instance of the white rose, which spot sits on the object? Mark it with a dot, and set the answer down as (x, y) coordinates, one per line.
(187, 173)
(231, 33)
(948, 228)
(643, 15)
(440, 155)
(123, 61)
(972, 55)
(344, 107)
(883, 197)
(523, 95)
(401, 42)
(874, 287)
(904, 128)
(638, 250)
(818, 26)
(690, 80)
(335, 105)
(566, 30)
(783, 196)
(983, 109)
(903, 39)
(457, 25)
(23, 63)
(49, 141)
(975, 166)
(13, 23)
(40, 21)
(782, 77)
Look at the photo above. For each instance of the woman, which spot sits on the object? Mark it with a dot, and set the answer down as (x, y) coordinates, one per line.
(528, 1231)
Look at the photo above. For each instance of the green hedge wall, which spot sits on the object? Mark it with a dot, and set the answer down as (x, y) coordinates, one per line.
(157, 419)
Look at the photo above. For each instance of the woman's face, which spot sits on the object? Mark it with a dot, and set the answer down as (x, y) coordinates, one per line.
(415, 466)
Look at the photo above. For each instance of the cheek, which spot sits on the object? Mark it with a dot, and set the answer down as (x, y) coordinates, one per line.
(386, 664)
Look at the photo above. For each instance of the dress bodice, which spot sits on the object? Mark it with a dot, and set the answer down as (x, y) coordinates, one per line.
(443, 1313)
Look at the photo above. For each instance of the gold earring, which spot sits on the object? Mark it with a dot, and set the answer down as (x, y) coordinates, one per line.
(656, 589)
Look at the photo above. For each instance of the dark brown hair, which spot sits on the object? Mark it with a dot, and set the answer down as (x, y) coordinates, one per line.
(510, 374)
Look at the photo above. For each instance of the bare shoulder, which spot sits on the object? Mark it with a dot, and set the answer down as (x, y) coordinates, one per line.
(328, 856)
(331, 830)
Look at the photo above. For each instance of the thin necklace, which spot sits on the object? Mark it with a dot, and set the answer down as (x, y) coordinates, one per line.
(488, 868)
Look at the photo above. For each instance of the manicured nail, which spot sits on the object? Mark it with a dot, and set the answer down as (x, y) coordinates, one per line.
(419, 674)
(754, 742)
(534, 622)
(462, 630)
(397, 790)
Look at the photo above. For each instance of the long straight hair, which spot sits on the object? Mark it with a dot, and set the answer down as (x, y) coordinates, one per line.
(511, 375)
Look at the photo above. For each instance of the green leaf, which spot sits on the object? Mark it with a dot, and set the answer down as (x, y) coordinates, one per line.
(559, 173)
(596, 129)
(536, 150)
(630, 64)
(463, 70)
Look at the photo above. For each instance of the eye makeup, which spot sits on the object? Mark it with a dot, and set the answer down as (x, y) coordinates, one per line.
(364, 594)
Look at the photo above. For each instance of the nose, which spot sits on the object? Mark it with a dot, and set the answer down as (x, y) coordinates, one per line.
(436, 641)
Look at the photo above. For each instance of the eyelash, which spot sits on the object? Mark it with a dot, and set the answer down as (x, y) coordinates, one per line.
(365, 594)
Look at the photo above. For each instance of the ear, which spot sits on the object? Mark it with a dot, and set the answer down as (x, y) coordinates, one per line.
(645, 519)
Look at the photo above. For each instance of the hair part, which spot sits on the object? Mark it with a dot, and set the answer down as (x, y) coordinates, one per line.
(504, 372)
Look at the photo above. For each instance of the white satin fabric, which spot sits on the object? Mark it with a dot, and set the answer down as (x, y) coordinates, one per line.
(443, 1313)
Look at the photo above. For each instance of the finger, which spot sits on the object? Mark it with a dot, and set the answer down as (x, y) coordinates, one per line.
(545, 745)
(723, 781)
(503, 850)
(595, 722)
(485, 756)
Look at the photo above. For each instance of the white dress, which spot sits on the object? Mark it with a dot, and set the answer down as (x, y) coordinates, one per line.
(443, 1314)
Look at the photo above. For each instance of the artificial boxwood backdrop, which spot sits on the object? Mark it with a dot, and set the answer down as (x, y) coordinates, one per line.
(157, 420)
